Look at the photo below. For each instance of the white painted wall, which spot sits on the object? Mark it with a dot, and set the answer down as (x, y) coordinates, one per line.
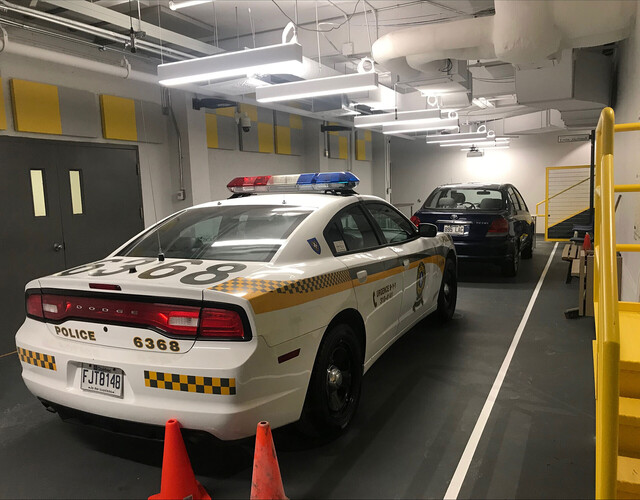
(627, 168)
(206, 171)
(417, 168)
(158, 162)
(224, 165)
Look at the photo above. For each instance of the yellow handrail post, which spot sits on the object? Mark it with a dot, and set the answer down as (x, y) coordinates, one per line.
(607, 322)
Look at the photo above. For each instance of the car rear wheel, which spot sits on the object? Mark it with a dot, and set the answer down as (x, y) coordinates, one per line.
(511, 265)
(334, 388)
(448, 291)
(527, 252)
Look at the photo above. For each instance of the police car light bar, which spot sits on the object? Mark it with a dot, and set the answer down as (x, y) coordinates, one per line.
(298, 182)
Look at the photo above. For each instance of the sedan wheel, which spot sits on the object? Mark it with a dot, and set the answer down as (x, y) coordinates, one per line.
(334, 388)
(510, 267)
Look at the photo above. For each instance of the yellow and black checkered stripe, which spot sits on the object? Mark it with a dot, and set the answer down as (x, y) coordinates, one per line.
(268, 295)
(190, 383)
(37, 359)
(309, 285)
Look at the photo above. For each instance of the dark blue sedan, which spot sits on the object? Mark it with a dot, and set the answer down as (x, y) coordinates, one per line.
(488, 222)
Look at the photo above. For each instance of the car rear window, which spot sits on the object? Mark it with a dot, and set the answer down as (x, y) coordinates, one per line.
(465, 199)
(239, 233)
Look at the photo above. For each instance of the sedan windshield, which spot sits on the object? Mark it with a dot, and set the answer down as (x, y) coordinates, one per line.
(465, 199)
(240, 233)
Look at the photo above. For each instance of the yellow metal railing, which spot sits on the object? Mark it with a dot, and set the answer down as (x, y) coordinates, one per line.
(605, 296)
(549, 198)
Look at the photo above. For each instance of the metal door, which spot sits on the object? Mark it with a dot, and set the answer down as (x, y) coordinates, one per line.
(46, 225)
(30, 244)
(100, 199)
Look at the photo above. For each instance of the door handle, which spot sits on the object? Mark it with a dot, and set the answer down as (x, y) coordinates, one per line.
(362, 276)
(405, 263)
(57, 247)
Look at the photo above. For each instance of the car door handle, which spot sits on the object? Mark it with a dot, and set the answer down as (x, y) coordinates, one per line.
(405, 263)
(362, 276)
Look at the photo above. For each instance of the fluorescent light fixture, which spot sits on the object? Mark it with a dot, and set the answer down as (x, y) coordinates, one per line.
(402, 128)
(332, 85)
(476, 149)
(479, 144)
(482, 103)
(404, 117)
(281, 58)
(187, 3)
(464, 137)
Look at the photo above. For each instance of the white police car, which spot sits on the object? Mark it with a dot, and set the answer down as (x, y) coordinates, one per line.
(267, 307)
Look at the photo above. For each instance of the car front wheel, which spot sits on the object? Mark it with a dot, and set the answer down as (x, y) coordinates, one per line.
(334, 388)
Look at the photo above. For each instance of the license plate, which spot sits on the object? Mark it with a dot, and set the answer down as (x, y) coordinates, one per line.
(102, 379)
(454, 228)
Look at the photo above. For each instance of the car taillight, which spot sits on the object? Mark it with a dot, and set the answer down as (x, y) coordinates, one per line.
(176, 320)
(416, 220)
(34, 305)
(499, 226)
(221, 323)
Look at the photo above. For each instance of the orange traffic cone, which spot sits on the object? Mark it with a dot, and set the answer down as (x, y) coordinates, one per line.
(178, 480)
(266, 482)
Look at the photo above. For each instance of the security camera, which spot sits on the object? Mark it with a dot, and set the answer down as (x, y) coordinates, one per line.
(244, 121)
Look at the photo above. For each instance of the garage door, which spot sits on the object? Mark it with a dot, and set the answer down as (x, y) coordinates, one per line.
(62, 204)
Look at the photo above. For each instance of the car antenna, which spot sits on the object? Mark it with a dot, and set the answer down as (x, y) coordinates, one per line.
(153, 196)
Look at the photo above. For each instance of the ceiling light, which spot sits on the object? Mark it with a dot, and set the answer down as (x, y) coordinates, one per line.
(404, 128)
(405, 117)
(480, 134)
(492, 148)
(187, 3)
(479, 144)
(332, 85)
(280, 58)
(482, 103)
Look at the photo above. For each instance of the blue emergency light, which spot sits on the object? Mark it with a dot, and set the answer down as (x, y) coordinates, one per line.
(321, 181)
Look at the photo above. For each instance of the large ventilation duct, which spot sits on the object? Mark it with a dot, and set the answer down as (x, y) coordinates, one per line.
(525, 33)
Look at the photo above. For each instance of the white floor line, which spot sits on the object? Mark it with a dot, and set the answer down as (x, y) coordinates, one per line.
(465, 461)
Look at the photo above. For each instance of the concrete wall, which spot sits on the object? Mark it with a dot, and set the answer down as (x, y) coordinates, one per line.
(627, 168)
(417, 168)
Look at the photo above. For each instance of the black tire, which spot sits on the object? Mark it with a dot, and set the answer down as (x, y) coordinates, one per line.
(334, 388)
(448, 291)
(527, 252)
(512, 264)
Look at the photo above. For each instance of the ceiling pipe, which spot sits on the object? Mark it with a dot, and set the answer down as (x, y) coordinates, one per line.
(526, 33)
(123, 71)
(93, 30)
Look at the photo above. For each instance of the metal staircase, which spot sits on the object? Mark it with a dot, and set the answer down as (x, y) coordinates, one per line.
(617, 344)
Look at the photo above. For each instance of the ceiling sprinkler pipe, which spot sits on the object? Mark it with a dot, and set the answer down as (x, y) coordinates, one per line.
(92, 30)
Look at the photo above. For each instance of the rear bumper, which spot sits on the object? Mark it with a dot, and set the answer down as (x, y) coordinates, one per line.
(264, 388)
(487, 250)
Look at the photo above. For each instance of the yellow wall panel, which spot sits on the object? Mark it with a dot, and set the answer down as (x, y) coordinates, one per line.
(118, 118)
(212, 130)
(36, 107)
(251, 110)
(361, 149)
(3, 114)
(230, 112)
(295, 121)
(344, 147)
(367, 135)
(265, 137)
(283, 140)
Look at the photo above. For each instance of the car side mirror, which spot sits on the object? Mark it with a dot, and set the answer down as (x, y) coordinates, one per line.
(428, 230)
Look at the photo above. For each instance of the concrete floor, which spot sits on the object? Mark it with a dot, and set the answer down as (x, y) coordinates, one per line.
(419, 404)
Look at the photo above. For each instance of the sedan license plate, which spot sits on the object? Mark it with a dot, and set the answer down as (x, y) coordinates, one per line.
(454, 228)
(102, 379)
